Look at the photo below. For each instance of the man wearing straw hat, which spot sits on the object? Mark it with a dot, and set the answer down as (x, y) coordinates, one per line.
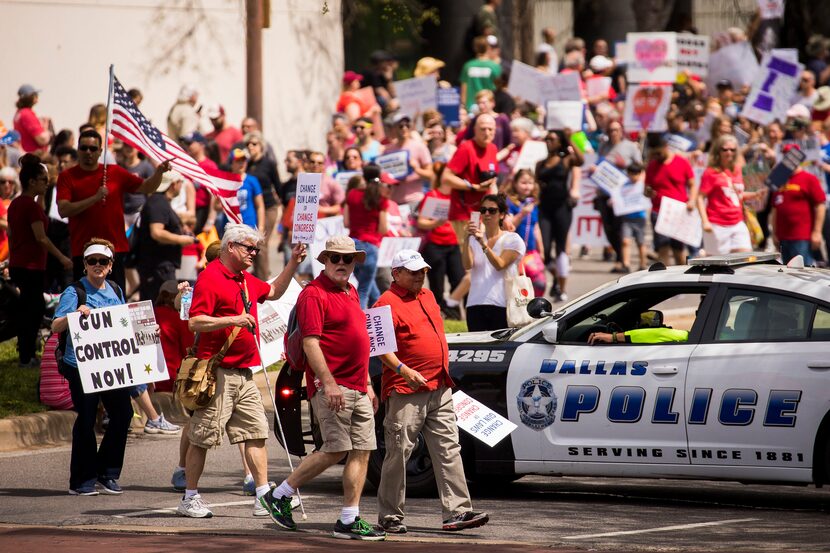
(336, 347)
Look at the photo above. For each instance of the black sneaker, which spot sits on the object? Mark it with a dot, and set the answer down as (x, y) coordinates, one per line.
(279, 510)
(452, 313)
(393, 526)
(462, 521)
(358, 530)
(109, 486)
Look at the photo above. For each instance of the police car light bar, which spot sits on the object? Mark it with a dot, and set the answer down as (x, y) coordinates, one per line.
(734, 259)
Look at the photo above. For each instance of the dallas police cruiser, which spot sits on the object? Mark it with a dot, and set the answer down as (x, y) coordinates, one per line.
(746, 395)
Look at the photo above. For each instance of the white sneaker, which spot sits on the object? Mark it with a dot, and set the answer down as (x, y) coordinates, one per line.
(259, 509)
(161, 426)
(194, 507)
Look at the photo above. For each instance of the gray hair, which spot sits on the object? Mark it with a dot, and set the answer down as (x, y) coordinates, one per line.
(9, 173)
(252, 134)
(235, 232)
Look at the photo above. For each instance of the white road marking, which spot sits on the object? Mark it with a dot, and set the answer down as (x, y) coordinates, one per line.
(248, 502)
(661, 529)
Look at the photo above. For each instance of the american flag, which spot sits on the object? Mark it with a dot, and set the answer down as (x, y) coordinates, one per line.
(130, 125)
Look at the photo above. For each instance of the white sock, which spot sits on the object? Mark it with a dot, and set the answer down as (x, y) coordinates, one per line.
(284, 490)
(179, 468)
(190, 493)
(451, 302)
(156, 419)
(348, 514)
(262, 490)
(249, 476)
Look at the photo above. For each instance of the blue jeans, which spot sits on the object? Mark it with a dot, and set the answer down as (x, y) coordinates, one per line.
(792, 248)
(365, 273)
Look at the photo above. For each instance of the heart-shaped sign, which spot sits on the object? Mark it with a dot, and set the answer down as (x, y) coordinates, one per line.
(651, 54)
(646, 101)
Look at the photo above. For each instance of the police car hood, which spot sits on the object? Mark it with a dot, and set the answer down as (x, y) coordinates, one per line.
(486, 337)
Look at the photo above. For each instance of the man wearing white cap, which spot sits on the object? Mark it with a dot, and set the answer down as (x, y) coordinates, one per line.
(416, 387)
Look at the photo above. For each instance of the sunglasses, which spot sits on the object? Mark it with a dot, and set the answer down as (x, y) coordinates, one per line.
(252, 144)
(361, 127)
(252, 250)
(403, 125)
(93, 261)
(7, 182)
(86, 148)
(728, 149)
(488, 210)
(347, 259)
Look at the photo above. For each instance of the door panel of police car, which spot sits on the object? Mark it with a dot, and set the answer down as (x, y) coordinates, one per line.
(756, 389)
(618, 405)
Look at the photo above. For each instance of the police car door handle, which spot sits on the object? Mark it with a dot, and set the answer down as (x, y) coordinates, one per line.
(819, 364)
(664, 370)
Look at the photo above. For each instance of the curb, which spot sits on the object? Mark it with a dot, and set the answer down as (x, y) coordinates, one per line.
(54, 428)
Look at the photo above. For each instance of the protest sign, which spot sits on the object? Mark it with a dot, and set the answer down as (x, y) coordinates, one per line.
(630, 198)
(586, 223)
(782, 171)
(532, 152)
(654, 57)
(343, 177)
(117, 346)
(622, 53)
(563, 87)
(790, 54)
(449, 104)
(735, 62)
(771, 9)
(390, 245)
(564, 115)
(272, 329)
(381, 331)
(525, 83)
(307, 202)
(417, 94)
(810, 145)
(436, 208)
(395, 163)
(679, 143)
(675, 221)
(608, 177)
(647, 107)
(480, 421)
(597, 86)
(772, 90)
(693, 54)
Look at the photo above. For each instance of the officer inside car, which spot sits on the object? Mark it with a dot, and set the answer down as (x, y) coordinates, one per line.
(650, 331)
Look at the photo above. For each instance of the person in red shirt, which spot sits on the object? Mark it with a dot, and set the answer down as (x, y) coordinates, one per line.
(28, 248)
(671, 176)
(224, 134)
(223, 310)
(95, 209)
(196, 145)
(416, 387)
(471, 173)
(798, 212)
(336, 347)
(33, 136)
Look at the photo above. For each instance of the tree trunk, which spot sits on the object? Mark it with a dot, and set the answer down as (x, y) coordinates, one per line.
(652, 15)
(523, 16)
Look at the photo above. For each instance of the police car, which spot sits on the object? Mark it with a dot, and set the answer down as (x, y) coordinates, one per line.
(746, 397)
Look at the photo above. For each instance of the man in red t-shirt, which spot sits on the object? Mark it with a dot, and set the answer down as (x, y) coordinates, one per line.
(224, 134)
(669, 175)
(336, 346)
(224, 309)
(95, 210)
(798, 212)
(472, 173)
(416, 388)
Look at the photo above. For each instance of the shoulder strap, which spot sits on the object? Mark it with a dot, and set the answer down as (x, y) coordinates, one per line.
(80, 290)
(118, 291)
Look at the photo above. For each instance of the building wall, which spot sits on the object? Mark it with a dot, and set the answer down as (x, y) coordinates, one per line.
(714, 16)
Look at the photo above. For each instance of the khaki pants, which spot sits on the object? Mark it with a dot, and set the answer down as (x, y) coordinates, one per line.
(431, 413)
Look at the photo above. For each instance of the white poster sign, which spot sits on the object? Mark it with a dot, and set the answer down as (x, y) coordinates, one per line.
(564, 115)
(436, 208)
(479, 420)
(675, 221)
(678, 143)
(735, 62)
(597, 86)
(390, 245)
(586, 225)
(646, 108)
(563, 87)
(117, 347)
(629, 199)
(608, 177)
(693, 54)
(381, 331)
(525, 82)
(772, 90)
(395, 163)
(532, 152)
(343, 177)
(653, 57)
(307, 201)
(416, 95)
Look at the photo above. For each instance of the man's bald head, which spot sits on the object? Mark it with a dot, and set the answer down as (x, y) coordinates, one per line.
(484, 130)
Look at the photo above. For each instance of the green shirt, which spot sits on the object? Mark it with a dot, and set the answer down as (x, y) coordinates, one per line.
(657, 335)
(479, 74)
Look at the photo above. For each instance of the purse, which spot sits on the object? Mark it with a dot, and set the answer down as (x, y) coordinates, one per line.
(196, 381)
(518, 291)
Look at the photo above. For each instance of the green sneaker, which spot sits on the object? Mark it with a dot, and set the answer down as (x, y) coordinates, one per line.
(279, 510)
(358, 530)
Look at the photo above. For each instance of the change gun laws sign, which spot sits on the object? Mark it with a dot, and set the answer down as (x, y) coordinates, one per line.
(117, 346)
(307, 202)
(479, 420)
(381, 331)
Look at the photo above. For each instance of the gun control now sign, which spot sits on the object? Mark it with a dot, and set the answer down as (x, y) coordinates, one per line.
(117, 346)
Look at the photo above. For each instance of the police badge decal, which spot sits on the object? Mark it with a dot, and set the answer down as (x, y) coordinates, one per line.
(537, 403)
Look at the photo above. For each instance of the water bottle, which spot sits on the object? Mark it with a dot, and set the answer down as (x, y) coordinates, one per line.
(187, 299)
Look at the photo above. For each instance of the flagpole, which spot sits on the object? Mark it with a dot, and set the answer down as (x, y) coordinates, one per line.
(109, 120)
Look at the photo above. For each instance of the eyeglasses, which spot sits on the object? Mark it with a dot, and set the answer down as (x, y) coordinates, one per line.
(347, 259)
(7, 181)
(93, 261)
(403, 125)
(252, 144)
(728, 150)
(423, 271)
(360, 127)
(87, 148)
(488, 210)
(252, 250)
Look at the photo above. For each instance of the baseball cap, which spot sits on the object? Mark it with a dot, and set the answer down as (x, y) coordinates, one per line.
(396, 118)
(167, 179)
(381, 55)
(600, 63)
(215, 111)
(239, 153)
(193, 137)
(409, 259)
(27, 90)
(724, 83)
(350, 76)
(788, 147)
(798, 111)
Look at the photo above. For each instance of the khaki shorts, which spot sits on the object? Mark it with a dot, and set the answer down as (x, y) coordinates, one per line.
(352, 428)
(236, 409)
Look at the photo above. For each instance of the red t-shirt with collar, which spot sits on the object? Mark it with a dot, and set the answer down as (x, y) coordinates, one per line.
(442, 235)
(794, 203)
(468, 162)
(103, 219)
(218, 293)
(24, 249)
(176, 339)
(723, 190)
(669, 180)
(363, 223)
(28, 125)
(334, 315)
(422, 345)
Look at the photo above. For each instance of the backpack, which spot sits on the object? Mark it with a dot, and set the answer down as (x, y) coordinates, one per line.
(293, 340)
(80, 290)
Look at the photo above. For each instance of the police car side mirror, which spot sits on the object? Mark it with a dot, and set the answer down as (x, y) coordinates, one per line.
(551, 332)
(539, 307)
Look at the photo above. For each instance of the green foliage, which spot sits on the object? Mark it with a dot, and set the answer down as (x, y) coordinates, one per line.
(451, 327)
(18, 387)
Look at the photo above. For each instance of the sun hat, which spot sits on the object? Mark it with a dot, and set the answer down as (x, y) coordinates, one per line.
(342, 245)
